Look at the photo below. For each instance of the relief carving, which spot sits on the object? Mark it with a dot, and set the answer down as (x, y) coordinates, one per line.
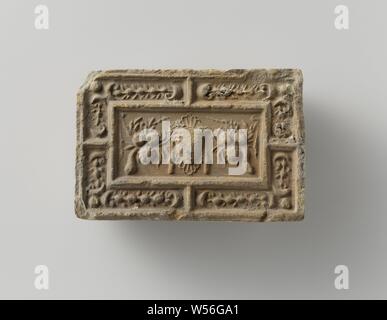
(265, 106)
(282, 112)
(190, 122)
(224, 91)
(96, 178)
(101, 94)
(252, 127)
(282, 179)
(236, 199)
(134, 127)
(98, 104)
(141, 91)
(100, 197)
(137, 199)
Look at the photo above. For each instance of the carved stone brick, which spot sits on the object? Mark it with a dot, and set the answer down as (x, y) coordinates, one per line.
(114, 106)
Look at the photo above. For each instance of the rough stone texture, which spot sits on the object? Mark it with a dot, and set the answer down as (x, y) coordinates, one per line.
(114, 105)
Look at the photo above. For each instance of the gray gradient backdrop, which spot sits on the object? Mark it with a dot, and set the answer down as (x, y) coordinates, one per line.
(345, 93)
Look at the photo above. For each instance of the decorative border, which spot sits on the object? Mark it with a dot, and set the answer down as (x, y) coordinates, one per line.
(260, 180)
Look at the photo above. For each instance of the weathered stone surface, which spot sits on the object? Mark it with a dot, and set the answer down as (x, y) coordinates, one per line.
(114, 106)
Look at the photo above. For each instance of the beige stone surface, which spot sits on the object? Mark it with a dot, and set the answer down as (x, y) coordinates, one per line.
(113, 106)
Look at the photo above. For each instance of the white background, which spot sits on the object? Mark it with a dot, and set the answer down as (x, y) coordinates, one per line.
(345, 112)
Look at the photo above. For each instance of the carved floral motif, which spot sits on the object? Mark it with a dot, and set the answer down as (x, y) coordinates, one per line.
(99, 197)
(282, 179)
(101, 93)
(145, 91)
(98, 102)
(136, 199)
(252, 138)
(247, 200)
(134, 127)
(96, 179)
(285, 203)
(189, 122)
(278, 90)
(224, 91)
(282, 112)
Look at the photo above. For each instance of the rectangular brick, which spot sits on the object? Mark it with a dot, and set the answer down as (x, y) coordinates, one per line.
(114, 107)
